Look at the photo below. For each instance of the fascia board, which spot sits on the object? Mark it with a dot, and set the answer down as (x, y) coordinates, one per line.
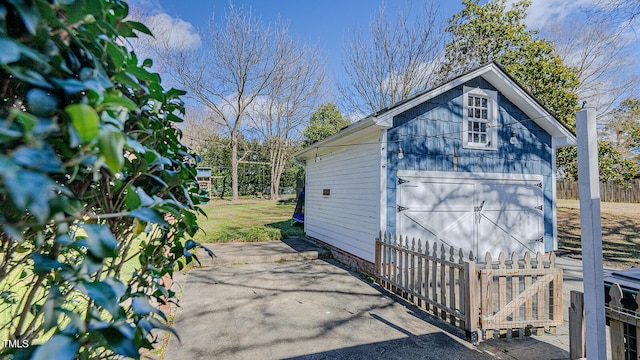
(522, 100)
(344, 137)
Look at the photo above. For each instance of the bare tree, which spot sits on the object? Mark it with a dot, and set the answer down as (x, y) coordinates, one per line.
(603, 56)
(197, 128)
(232, 69)
(291, 96)
(399, 60)
(625, 11)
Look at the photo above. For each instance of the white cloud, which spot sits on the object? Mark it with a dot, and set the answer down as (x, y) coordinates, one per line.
(173, 33)
(543, 11)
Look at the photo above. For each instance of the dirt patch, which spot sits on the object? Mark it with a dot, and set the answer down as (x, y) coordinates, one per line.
(620, 232)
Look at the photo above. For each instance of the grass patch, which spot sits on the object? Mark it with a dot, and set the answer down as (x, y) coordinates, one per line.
(620, 232)
(257, 220)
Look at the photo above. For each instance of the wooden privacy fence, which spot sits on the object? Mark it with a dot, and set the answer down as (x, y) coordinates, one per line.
(623, 318)
(505, 297)
(611, 191)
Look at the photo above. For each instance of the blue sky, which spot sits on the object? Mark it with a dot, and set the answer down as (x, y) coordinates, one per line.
(328, 23)
(324, 23)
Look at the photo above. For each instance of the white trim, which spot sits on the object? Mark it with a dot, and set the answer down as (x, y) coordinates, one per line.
(349, 135)
(383, 181)
(472, 176)
(523, 101)
(306, 186)
(554, 198)
(492, 119)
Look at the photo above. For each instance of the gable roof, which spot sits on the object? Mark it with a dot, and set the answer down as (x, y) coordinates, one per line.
(491, 72)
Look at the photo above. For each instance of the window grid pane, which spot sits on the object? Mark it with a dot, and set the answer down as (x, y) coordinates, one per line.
(478, 113)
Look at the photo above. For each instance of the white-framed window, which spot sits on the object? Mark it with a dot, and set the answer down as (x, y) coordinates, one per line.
(480, 116)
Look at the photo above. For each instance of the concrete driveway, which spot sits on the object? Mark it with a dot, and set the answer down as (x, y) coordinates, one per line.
(312, 309)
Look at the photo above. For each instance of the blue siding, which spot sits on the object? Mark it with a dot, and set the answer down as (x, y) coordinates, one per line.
(431, 133)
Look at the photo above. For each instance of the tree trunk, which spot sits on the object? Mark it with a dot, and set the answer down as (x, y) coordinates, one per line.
(275, 180)
(234, 166)
(278, 160)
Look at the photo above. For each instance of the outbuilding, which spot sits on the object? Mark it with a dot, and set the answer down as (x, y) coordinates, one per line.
(469, 164)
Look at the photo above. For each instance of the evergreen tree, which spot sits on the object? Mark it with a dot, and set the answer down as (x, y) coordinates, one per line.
(325, 121)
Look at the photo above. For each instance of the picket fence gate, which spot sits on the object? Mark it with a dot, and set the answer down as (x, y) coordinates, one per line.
(506, 298)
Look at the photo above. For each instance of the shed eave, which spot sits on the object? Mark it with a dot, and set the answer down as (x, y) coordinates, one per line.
(343, 137)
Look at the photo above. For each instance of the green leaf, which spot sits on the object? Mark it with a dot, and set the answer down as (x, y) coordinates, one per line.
(117, 54)
(143, 74)
(29, 76)
(126, 79)
(51, 308)
(111, 99)
(135, 145)
(126, 29)
(28, 11)
(111, 145)
(100, 241)
(40, 102)
(31, 190)
(175, 93)
(85, 120)
(191, 244)
(157, 92)
(43, 264)
(14, 233)
(44, 159)
(132, 199)
(116, 285)
(70, 86)
(120, 342)
(28, 121)
(148, 215)
(10, 51)
(140, 27)
(104, 294)
(159, 325)
(145, 199)
(141, 306)
(174, 118)
(9, 133)
(58, 347)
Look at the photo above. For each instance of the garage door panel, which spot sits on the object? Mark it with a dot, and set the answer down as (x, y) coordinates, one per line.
(495, 241)
(439, 227)
(509, 196)
(517, 231)
(476, 213)
(439, 195)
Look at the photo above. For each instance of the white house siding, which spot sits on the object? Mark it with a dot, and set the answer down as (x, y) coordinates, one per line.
(348, 218)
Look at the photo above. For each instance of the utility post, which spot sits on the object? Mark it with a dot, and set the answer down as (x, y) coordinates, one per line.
(591, 233)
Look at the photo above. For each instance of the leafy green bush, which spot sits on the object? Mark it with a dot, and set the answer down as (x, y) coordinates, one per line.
(93, 176)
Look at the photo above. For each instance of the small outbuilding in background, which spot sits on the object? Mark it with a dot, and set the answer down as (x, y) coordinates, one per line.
(469, 164)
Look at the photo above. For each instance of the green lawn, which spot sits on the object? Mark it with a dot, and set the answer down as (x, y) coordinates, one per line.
(620, 232)
(255, 220)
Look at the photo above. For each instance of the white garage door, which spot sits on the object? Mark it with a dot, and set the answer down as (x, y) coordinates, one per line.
(480, 212)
